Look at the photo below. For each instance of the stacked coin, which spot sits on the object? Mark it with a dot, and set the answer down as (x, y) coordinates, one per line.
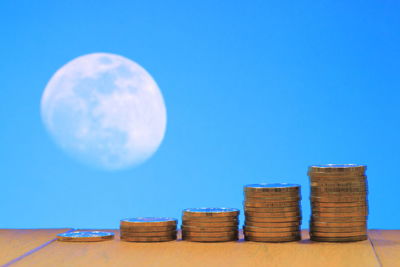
(338, 202)
(273, 212)
(210, 224)
(148, 229)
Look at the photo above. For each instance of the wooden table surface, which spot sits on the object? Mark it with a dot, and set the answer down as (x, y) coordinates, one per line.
(40, 248)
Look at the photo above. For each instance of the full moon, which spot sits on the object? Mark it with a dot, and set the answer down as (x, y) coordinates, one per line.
(105, 110)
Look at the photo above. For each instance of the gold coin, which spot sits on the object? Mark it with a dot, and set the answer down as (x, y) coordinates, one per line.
(148, 239)
(273, 214)
(273, 234)
(339, 219)
(337, 178)
(341, 234)
(273, 239)
(149, 221)
(339, 215)
(278, 187)
(268, 200)
(338, 190)
(339, 239)
(337, 229)
(209, 234)
(208, 229)
(147, 228)
(143, 234)
(335, 183)
(271, 194)
(270, 204)
(273, 219)
(361, 198)
(210, 239)
(338, 224)
(211, 212)
(339, 204)
(273, 224)
(267, 210)
(338, 168)
(210, 224)
(209, 219)
(271, 229)
(85, 236)
(341, 209)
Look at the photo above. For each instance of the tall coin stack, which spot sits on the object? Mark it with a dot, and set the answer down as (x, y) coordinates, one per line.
(210, 224)
(339, 203)
(273, 212)
(148, 229)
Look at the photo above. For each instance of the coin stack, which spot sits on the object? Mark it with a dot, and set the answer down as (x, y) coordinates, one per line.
(210, 224)
(148, 229)
(338, 202)
(273, 212)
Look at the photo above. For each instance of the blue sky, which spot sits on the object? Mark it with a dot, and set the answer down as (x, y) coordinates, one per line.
(256, 91)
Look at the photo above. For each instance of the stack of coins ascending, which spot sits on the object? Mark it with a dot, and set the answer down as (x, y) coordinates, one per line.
(210, 224)
(339, 203)
(273, 212)
(148, 229)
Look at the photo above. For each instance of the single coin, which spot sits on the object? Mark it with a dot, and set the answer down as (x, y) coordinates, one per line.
(276, 187)
(148, 239)
(279, 209)
(332, 177)
(341, 234)
(268, 200)
(272, 234)
(333, 193)
(273, 239)
(337, 168)
(271, 229)
(209, 234)
(209, 219)
(147, 228)
(336, 174)
(273, 219)
(338, 224)
(340, 214)
(149, 221)
(343, 186)
(272, 194)
(337, 229)
(211, 212)
(341, 209)
(210, 224)
(272, 224)
(339, 198)
(85, 236)
(210, 239)
(340, 184)
(339, 239)
(339, 219)
(273, 214)
(155, 234)
(208, 229)
(270, 204)
(339, 190)
(339, 204)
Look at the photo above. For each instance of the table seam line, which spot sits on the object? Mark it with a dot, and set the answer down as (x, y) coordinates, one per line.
(375, 252)
(32, 251)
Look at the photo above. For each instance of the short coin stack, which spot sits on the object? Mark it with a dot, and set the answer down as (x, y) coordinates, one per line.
(210, 224)
(148, 229)
(273, 212)
(339, 203)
